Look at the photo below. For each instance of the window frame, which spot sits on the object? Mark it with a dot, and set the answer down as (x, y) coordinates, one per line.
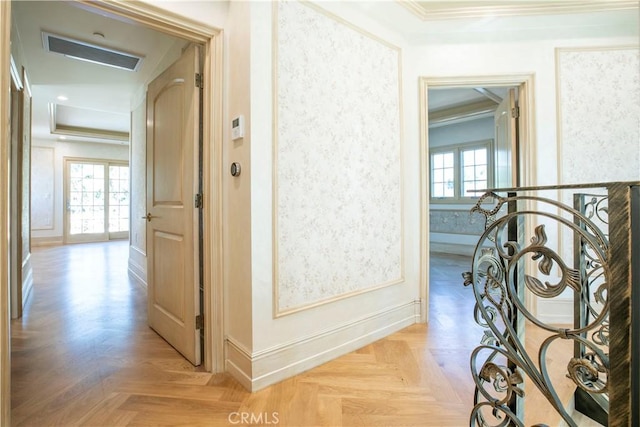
(458, 177)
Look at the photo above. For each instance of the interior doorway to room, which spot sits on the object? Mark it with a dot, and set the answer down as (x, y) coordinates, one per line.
(106, 120)
(171, 25)
(477, 136)
(472, 146)
(94, 203)
(97, 200)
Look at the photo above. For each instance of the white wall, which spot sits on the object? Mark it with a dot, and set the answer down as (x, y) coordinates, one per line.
(138, 171)
(534, 57)
(539, 59)
(282, 346)
(211, 13)
(70, 149)
(237, 191)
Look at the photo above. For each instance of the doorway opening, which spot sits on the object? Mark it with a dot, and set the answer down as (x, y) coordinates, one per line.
(175, 26)
(465, 147)
(468, 151)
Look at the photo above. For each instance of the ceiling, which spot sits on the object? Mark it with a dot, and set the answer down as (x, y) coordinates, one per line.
(80, 100)
(100, 97)
(449, 106)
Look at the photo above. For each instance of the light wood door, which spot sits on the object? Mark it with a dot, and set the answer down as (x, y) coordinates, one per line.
(21, 270)
(172, 222)
(506, 146)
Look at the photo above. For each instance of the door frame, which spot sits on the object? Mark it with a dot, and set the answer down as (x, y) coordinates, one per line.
(212, 40)
(5, 138)
(526, 156)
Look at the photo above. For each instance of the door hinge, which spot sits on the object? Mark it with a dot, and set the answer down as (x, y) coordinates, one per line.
(199, 321)
(198, 201)
(515, 112)
(199, 80)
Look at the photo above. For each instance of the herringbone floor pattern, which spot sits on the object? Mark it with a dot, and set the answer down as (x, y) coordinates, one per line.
(83, 355)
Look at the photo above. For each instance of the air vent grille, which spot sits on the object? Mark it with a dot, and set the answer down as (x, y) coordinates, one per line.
(90, 52)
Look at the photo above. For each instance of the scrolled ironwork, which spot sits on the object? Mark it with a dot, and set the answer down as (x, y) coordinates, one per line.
(499, 282)
(547, 258)
(597, 207)
(586, 371)
(502, 416)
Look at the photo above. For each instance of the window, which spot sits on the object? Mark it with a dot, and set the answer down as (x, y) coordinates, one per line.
(474, 169)
(443, 173)
(97, 200)
(455, 170)
(118, 198)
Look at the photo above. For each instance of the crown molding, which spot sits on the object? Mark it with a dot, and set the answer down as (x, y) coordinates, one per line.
(441, 10)
(83, 132)
(91, 133)
(462, 112)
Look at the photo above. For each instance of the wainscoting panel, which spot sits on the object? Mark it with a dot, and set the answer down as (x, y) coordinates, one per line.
(338, 218)
(138, 265)
(42, 188)
(453, 221)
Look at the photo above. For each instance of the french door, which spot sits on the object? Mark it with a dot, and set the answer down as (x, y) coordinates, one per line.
(96, 200)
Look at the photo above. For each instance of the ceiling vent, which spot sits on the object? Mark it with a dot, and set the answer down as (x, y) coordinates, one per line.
(90, 52)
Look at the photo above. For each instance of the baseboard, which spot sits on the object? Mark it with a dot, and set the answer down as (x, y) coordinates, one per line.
(555, 311)
(264, 368)
(27, 280)
(238, 364)
(137, 272)
(46, 241)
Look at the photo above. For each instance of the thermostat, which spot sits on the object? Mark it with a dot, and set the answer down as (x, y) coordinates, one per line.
(237, 128)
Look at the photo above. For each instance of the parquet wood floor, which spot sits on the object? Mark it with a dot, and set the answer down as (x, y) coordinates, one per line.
(83, 355)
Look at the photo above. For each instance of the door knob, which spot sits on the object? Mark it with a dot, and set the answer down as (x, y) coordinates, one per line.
(148, 217)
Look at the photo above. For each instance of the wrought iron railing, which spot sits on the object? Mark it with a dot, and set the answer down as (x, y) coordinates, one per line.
(536, 248)
(589, 303)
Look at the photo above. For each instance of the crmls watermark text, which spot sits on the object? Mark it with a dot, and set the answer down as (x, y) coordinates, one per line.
(264, 418)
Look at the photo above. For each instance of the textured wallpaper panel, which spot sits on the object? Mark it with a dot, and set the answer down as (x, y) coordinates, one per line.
(599, 118)
(42, 190)
(599, 103)
(337, 152)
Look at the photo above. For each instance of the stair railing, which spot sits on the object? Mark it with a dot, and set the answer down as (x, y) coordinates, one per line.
(602, 271)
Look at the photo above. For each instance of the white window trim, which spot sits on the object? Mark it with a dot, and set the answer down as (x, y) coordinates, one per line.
(457, 170)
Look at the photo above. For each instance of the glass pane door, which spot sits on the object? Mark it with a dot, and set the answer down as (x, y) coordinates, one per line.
(85, 204)
(97, 201)
(118, 201)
